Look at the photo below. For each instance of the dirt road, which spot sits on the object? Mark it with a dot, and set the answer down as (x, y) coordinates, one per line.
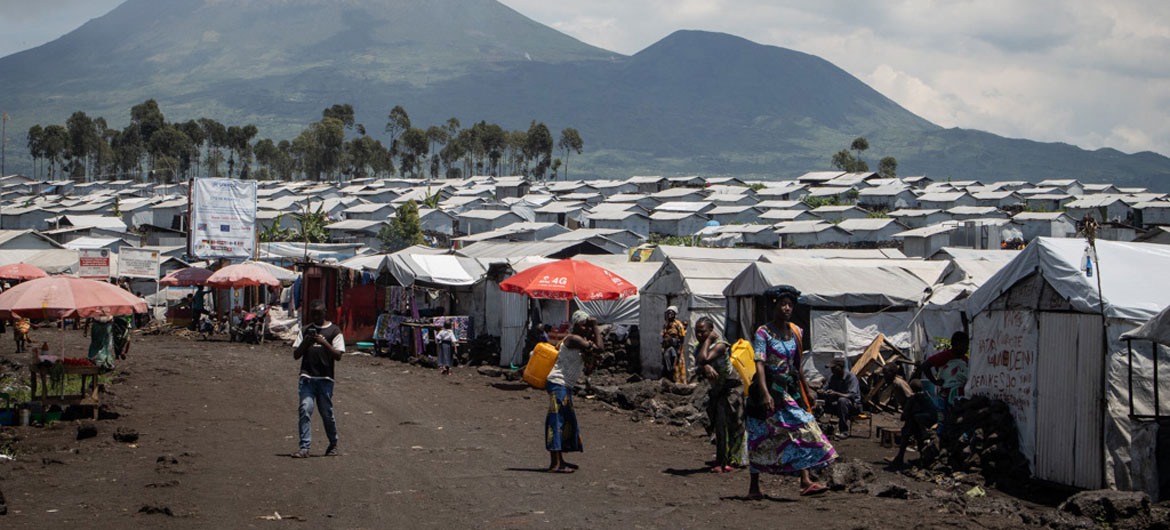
(217, 422)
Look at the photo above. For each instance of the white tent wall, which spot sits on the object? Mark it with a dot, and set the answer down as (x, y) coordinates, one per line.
(844, 333)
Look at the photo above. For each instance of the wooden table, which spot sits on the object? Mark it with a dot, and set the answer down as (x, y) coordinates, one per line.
(89, 393)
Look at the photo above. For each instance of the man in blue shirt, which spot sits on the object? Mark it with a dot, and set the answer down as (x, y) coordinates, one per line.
(842, 395)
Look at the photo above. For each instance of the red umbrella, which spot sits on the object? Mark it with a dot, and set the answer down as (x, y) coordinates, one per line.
(188, 277)
(21, 271)
(243, 275)
(567, 279)
(67, 296)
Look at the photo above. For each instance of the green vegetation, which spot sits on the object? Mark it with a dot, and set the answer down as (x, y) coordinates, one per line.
(675, 241)
(405, 229)
(879, 213)
(312, 227)
(274, 232)
(817, 202)
(853, 163)
(86, 148)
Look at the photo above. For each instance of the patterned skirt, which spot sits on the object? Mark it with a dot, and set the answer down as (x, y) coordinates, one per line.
(560, 426)
(788, 441)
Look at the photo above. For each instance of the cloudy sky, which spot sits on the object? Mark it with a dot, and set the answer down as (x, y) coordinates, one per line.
(1086, 72)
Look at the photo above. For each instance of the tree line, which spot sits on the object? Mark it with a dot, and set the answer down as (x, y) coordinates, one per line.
(86, 148)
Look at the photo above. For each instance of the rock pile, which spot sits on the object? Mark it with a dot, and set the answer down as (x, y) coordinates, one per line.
(982, 440)
(662, 400)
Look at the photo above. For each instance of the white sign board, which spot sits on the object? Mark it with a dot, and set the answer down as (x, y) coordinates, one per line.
(95, 264)
(1003, 366)
(223, 218)
(138, 263)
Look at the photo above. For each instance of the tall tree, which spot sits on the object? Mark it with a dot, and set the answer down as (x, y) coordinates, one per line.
(83, 144)
(342, 113)
(570, 142)
(397, 123)
(538, 148)
(36, 140)
(412, 148)
(888, 167)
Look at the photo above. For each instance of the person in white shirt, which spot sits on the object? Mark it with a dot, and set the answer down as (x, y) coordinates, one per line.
(446, 339)
(561, 433)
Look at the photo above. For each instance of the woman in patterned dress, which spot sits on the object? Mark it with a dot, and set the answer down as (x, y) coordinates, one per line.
(783, 437)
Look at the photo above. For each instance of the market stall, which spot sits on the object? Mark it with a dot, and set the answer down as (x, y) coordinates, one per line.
(57, 298)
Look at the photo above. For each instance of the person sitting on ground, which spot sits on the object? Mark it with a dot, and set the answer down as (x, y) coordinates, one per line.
(446, 339)
(318, 348)
(951, 377)
(842, 395)
(673, 334)
(918, 418)
(561, 432)
(724, 397)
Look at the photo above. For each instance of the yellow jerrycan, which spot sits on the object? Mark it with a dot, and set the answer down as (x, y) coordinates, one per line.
(544, 357)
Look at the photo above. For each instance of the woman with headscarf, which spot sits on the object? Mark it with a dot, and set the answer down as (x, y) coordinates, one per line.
(561, 433)
(724, 396)
(783, 436)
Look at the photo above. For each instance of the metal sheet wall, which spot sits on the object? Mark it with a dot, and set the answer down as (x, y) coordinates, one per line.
(1068, 399)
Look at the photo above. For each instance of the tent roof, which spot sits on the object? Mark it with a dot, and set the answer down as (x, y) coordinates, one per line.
(699, 277)
(637, 273)
(834, 283)
(1132, 276)
(1156, 329)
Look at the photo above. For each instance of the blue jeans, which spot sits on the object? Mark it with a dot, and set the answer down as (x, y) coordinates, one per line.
(319, 391)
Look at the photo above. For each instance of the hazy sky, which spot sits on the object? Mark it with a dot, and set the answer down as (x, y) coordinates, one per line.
(1086, 72)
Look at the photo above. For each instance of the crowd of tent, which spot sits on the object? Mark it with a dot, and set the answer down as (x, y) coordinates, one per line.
(910, 259)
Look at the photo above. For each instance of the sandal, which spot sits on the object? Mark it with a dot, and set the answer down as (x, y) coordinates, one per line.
(755, 497)
(301, 453)
(332, 450)
(813, 489)
(562, 469)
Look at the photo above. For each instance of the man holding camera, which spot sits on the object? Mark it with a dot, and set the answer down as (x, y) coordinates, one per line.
(319, 346)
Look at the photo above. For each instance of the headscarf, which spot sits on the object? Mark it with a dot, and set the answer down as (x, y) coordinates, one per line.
(775, 293)
(578, 317)
(672, 309)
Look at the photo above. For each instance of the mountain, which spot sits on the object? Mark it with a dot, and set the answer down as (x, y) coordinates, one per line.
(694, 102)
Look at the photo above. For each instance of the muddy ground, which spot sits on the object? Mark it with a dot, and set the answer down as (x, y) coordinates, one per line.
(216, 422)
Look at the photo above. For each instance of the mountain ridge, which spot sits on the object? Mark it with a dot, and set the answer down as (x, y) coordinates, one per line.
(693, 102)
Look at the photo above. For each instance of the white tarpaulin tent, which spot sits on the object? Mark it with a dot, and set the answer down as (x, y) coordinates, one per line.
(626, 311)
(941, 315)
(1041, 343)
(696, 287)
(851, 301)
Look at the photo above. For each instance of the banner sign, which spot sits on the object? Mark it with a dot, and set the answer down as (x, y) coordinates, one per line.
(95, 264)
(223, 218)
(138, 263)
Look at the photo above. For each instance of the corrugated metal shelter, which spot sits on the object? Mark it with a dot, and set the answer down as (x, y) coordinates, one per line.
(1047, 340)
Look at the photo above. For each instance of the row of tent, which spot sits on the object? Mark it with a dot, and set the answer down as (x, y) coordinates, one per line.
(1043, 338)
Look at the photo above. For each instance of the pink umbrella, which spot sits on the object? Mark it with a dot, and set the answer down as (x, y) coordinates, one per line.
(243, 275)
(188, 277)
(68, 296)
(21, 271)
